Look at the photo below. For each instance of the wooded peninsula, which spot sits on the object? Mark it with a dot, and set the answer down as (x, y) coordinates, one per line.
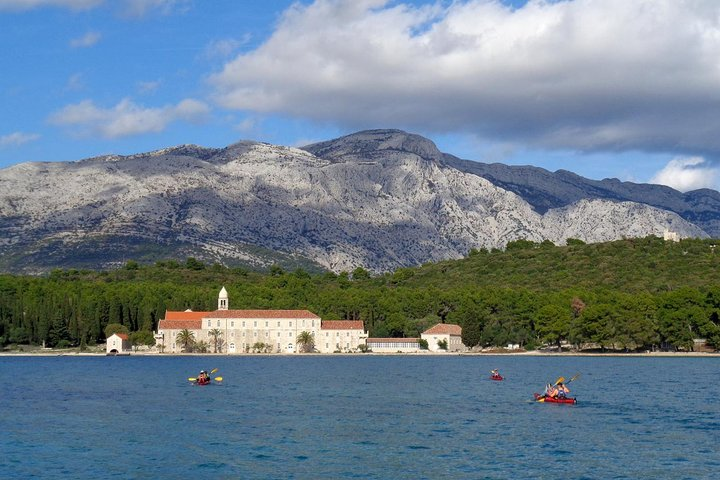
(626, 295)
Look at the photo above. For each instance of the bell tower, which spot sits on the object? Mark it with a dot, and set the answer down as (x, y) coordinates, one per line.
(223, 299)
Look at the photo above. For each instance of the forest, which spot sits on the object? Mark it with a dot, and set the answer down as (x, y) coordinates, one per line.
(626, 295)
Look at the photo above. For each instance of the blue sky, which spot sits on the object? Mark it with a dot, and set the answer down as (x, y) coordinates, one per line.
(604, 88)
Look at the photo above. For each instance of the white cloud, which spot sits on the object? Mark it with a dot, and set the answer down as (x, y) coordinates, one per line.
(20, 5)
(17, 138)
(140, 8)
(687, 174)
(577, 74)
(75, 82)
(225, 48)
(87, 40)
(149, 87)
(126, 118)
(128, 8)
(247, 125)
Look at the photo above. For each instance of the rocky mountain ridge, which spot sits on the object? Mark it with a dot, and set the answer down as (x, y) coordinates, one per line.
(379, 199)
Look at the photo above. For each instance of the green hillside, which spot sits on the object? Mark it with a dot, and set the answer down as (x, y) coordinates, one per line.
(624, 295)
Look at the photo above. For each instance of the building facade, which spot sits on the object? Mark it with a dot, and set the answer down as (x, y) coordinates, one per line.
(257, 331)
(118, 343)
(393, 345)
(444, 332)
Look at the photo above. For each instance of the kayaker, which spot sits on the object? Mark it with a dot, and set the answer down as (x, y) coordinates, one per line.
(494, 373)
(562, 390)
(203, 378)
(550, 391)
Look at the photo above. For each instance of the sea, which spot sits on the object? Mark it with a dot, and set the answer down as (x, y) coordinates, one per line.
(358, 416)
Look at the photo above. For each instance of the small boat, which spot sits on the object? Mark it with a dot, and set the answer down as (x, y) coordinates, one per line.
(543, 398)
(497, 377)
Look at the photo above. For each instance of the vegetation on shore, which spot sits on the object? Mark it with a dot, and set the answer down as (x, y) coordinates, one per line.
(623, 295)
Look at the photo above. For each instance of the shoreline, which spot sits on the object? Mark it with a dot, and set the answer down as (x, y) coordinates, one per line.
(59, 353)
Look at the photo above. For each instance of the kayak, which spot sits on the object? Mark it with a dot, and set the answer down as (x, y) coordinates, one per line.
(206, 382)
(541, 398)
(497, 377)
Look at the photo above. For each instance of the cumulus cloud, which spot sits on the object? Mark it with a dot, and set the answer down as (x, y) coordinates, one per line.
(20, 5)
(126, 118)
(87, 40)
(579, 74)
(17, 138)
(687, 174)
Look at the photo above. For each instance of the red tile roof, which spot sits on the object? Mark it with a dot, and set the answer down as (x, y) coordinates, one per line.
(343, 325)
(187, 315)
(261, 314)
(181, 324)
(444, 329)
(392, 340)
(124, 336)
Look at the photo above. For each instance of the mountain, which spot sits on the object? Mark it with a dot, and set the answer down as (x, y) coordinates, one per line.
(379, 199)
(545, 190)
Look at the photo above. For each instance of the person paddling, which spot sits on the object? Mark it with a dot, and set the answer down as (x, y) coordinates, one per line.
(495, 373)
(562, 390)
(550, 391)
(203, 378)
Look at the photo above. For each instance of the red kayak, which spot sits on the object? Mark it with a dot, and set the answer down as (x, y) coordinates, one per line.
(543, 398)
(497, 377)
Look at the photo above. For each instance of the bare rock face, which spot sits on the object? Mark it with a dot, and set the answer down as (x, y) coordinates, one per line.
(379, 199)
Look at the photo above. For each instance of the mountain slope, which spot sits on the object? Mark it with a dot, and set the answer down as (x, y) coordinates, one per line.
(379, 199)
(545, 190)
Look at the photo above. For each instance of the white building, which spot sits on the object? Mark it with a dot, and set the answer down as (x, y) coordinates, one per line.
(256, 331)
(449, 333)
(118, 343)
(393, 345)
(670, 236)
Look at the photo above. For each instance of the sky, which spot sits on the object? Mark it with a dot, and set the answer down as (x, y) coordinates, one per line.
(626, 89)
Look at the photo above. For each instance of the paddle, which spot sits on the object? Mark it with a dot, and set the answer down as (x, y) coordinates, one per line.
(574, 377)
(218, 379)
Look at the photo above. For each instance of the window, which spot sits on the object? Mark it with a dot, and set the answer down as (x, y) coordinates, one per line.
(232, 323)
(313, 323)
(267, 334)
(232, 346)
(243, 334)
(290, 325)
(278, 323)
(255, 334)
(289, 334)
(327, 334)
(218, 323)
(209, 323)
(243, 324)
(278, 334)
(255, 323)
(232, 334)
(267, 323)
(348, 334)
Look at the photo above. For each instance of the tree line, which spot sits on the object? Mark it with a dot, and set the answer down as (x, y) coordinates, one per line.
(531, 295)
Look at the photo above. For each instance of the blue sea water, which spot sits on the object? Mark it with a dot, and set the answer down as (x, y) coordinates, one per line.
(374, 417)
